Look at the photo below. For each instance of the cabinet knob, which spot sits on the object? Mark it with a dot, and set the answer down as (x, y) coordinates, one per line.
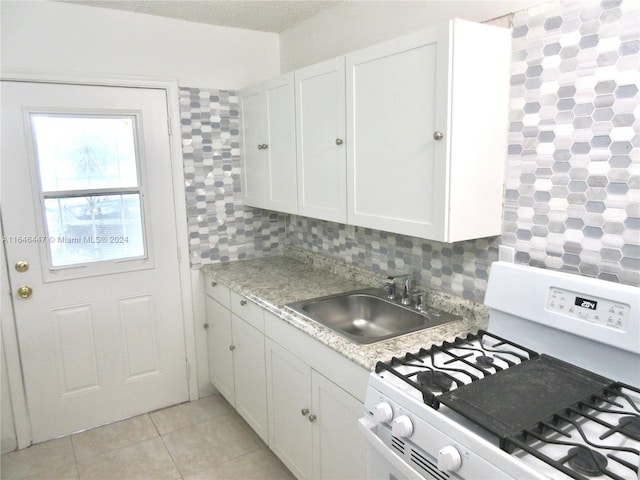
(213, 284)
(304, 412)
(232, 347)
(339, 141)
(263, 146)
(206, 325)
(243, 302)
(438, 135)
(312, 418)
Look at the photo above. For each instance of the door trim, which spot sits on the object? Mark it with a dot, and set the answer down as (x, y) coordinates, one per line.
(9, 334)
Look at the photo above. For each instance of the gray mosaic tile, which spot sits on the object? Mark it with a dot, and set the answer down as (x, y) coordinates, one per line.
(592, 64)
(220, 227)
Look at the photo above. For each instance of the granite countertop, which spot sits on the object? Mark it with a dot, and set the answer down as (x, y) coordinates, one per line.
(273, 282)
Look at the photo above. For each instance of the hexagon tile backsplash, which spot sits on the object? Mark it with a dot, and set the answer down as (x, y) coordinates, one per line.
(572, 195)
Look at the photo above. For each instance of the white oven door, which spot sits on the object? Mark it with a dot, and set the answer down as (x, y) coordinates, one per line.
(383, 463)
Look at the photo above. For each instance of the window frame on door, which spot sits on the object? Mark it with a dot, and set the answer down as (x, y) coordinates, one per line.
(53, 273)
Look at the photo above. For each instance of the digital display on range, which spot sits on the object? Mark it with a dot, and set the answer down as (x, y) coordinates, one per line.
(586, 303)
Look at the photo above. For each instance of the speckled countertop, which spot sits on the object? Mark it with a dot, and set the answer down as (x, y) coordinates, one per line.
(298, 275)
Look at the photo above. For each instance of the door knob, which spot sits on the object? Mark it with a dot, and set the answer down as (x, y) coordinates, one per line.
(25, 291)
(22, 266)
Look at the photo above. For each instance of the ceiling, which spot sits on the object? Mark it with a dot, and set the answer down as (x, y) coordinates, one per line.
(263, 15)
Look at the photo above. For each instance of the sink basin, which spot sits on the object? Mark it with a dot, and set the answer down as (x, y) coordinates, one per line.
(367, 316)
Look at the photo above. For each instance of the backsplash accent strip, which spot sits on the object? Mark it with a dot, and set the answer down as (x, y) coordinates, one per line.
(459, 268)
(220, 227)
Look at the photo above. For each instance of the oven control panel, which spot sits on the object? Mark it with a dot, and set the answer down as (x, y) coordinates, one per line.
(588, 308)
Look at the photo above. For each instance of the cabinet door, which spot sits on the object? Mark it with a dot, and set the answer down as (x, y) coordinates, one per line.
(289, 399)
(338, 445)
(397, 97)
(220, 356)
(255, 167)
(320, 127)
(250, 376)
(281, 144)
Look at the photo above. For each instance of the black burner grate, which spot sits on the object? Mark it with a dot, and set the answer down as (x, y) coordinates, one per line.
(581, 462)
(484, 342)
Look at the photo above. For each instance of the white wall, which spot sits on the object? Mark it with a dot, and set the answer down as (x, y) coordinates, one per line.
(357, 24)
(60, 38)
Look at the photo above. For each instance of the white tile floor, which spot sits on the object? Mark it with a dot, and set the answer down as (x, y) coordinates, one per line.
(205, 439)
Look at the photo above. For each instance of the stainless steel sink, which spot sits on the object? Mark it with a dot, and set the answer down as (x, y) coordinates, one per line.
(367, 316)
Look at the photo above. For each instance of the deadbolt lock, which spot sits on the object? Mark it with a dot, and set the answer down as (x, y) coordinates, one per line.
(22, 266)
(25, 291)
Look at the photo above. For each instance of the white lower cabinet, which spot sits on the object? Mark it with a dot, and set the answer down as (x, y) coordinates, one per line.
(277, 378)
(220, 356)
(237, 361)
(338, 446)
(312, 421)
(289, 399)
(250, 376)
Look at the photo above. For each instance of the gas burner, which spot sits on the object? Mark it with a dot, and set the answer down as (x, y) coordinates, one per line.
(434, 380)
(484, 361)
(630, 426)
(587, 462)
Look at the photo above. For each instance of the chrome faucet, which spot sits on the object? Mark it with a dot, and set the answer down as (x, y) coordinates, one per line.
(391, 286)
(407, 290)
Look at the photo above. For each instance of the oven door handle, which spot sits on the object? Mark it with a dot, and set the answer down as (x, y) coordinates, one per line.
(366, 426)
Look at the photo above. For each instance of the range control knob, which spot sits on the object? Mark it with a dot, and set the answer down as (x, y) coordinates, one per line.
(402, 427)
(382, 412)
(449, 459)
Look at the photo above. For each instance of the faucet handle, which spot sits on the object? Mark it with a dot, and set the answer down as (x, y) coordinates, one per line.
(389, 284)
(418, 297)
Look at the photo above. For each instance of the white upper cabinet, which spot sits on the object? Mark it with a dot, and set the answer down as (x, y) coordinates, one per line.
(422, 120)
(426, 132)
(320, 132)
(269, 145)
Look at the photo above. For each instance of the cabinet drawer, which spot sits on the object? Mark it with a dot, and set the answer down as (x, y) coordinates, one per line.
(218, 292)
(247, 310)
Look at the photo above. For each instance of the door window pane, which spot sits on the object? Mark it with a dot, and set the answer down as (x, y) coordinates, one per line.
(90, 187)
(85, 152)
(94, 228)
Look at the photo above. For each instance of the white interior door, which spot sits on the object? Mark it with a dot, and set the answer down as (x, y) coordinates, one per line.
(90, 238)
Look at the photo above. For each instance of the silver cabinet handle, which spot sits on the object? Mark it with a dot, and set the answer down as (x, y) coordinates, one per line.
(263, 146)
(243, 302)
(232, 347)
(339, 141)
(304, 412)
(438, 135)
(312, 418)
(213, 284)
